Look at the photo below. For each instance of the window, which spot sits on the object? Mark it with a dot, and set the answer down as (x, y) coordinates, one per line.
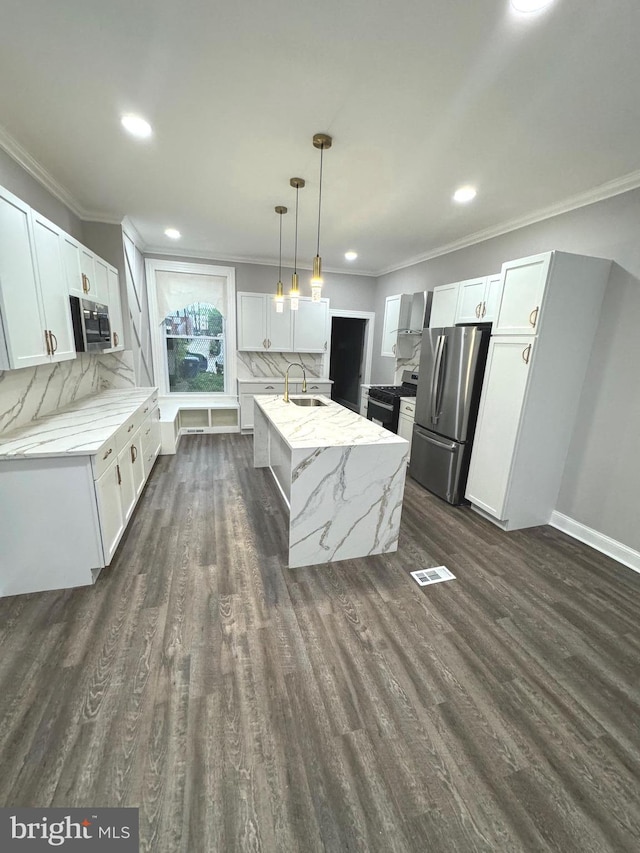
(192, 317)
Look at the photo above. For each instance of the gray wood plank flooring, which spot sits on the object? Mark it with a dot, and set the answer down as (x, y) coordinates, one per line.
(243, 706)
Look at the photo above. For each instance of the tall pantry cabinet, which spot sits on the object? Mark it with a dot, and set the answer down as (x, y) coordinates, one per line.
(538, 355)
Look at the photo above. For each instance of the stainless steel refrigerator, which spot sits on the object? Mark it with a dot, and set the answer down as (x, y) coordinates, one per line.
(452, 362)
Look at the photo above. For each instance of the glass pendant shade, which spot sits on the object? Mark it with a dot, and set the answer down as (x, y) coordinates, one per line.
(294, 293)
(279, 298)
(316, 279)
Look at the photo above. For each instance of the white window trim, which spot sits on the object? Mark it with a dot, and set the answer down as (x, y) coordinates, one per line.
(154, 265)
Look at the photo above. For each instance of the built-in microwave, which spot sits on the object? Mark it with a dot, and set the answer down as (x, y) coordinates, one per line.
(91, 327)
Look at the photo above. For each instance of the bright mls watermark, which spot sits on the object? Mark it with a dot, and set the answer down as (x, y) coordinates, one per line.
(80, 830)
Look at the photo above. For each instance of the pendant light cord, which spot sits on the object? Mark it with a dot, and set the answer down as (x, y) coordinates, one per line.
(320, 200)
(295, 246)
(280, 256)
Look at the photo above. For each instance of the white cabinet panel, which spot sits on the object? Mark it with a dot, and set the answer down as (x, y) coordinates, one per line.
(503, 391)
(470, 303)
(22, 312)
(73, 271)
(523, 288)
(492, 298)
(48, 240)
(108, 494)
(311, 326)
(252, 322)
(115, 311)
(279, 331)
(88, 269)
(390, 325)
(100, 291)
(443, 306)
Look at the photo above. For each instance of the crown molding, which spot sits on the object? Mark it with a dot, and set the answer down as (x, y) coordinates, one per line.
(206, 255)
(602, 192)
(133, 234)
(22, 157)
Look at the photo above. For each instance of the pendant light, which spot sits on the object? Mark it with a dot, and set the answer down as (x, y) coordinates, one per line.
(323, 142)
(294, 293)
(279, 298)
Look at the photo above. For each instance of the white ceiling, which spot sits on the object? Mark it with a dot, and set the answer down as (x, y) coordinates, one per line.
(419, 96)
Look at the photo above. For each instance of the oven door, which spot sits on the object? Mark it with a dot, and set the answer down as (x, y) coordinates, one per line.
(382, 414)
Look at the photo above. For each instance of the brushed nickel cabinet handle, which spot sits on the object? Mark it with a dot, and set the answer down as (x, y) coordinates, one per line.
(53, 338)
(146, 410)
(119, 475)
(47, 341)
(533, 317)
(134, 453)
(130, 428)
(484, 309)
(108, 453)
(393, 348)
(115, 339)
(268, 387)
(478, 309)
(526, 354)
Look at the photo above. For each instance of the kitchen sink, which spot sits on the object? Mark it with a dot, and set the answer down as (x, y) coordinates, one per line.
(307, 401)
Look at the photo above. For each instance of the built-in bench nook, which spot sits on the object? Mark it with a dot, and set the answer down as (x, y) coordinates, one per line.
(184, 416)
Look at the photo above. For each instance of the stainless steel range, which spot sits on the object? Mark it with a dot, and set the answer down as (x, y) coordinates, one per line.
(384, 400)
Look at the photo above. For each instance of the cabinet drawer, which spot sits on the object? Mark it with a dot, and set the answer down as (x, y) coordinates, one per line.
(150, 430)
(101, 461)
(318, 387)
(408, 410)
(126, 432)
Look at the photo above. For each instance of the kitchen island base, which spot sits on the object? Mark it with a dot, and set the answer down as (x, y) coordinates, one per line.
(341, 476)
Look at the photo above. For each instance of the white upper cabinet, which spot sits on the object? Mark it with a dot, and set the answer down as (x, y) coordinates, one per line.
(523, 286)
(115, 310)
(73, 270)
(88, 271)
(252, 321)
(311, 326)
(23, 339)
(48, 240)
(470, 301)
(391, 325)
(443, 306)
(492, 294)
(279, 326)
(261, 328)
(100, 286)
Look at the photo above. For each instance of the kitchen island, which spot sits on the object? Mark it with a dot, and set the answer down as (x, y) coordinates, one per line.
(341, 476)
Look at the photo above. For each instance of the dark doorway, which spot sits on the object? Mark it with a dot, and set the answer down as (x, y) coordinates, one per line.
(347, 356)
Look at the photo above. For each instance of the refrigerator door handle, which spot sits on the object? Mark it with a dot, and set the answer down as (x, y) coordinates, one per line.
(443, 445)
(437, 386)
(434, 377)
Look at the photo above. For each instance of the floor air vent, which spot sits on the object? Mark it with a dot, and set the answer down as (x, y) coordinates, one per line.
(435, 575)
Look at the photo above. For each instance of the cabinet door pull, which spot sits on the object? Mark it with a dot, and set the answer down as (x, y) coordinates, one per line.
(47, 342)
(86, 284)
(526, 354)
(148, 431)
(115, 339)
(119, 475)
(393, 348)
(269, 342)
(478, 309)
(134, 453)
(108, 453)
(146, 410)
(533, 317)
(130, 428)
(53, 338)
(484, 309)
(314, 387)
(268, 387)
(325, 347)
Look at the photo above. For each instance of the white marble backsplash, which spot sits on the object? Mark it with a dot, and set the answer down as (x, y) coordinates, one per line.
(270, 365)
(411, 363)
(31, 392)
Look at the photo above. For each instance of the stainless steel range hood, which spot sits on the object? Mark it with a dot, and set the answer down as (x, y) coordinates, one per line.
(415, 310)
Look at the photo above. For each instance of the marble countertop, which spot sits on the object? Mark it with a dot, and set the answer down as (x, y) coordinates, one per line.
(331, 425)
(79, 429)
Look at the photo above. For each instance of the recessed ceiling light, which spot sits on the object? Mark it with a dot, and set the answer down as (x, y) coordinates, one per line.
(173, 233)
(137, 126)
(528, 6)
(464, 194)
(351, 256)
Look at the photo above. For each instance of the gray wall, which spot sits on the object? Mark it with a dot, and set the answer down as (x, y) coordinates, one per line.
(349, 292)
(602, 472)
(14, 178)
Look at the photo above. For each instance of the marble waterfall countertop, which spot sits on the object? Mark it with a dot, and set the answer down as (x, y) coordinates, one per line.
(330, 425)
(341, 476)
(80, 428)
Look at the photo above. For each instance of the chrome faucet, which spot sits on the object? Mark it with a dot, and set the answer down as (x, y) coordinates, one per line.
(286, 380)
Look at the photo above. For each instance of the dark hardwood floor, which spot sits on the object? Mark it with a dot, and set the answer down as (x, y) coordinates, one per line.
(243, 706)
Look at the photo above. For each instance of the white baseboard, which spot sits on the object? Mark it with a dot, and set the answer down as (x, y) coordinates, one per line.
(605, 544)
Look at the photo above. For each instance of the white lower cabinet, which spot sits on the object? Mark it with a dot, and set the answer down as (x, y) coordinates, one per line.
(63, 516)
(406, 420)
